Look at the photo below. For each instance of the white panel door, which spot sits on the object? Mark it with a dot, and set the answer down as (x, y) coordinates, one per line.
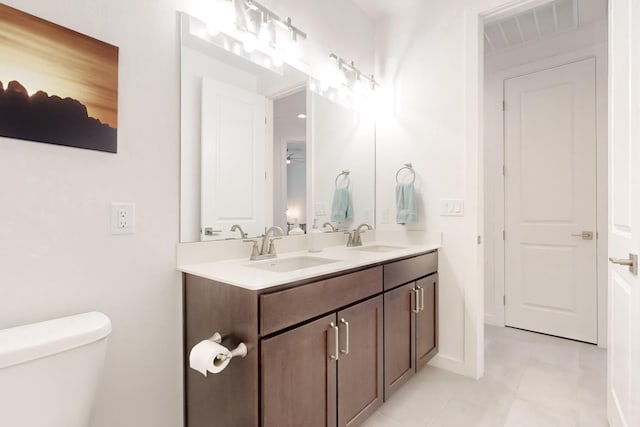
(233, 165)
(623, 358)
(550, 200)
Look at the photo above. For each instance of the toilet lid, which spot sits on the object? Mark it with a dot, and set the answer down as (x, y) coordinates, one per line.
(25, 343)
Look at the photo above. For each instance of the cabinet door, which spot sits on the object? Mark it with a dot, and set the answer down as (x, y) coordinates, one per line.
(427, 320)
(360, 373)
(399, 337)
(299, 376)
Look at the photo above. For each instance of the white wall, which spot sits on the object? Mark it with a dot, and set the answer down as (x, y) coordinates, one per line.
(588, 41)
(56, 254)
(428, 58)
(419, 61)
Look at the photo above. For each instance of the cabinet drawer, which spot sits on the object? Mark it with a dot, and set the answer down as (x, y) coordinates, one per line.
(401, 272)
(279, 310)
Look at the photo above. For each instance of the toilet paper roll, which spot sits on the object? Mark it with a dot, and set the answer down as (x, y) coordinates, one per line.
(209, 356)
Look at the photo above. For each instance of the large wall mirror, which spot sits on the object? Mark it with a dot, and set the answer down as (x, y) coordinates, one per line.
(259, 148)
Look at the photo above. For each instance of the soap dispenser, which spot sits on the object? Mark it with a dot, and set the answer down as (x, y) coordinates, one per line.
(315, 242)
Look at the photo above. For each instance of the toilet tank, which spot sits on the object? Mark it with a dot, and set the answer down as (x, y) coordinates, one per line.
(49, 371)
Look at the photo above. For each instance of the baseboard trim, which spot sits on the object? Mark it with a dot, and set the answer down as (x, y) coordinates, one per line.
(449, 363)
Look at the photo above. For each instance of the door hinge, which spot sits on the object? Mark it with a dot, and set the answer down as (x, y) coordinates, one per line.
(479, 239)
(504, 300)
(265, 120)
(504, 170)
(504, 235)
(504, 105)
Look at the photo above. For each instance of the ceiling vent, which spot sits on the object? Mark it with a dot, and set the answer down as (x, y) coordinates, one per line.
(541, 22)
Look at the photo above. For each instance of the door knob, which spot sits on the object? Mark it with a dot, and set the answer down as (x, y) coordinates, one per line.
(586, 235)
(631, 262)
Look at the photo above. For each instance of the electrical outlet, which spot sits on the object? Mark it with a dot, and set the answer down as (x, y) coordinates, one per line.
(123, 218)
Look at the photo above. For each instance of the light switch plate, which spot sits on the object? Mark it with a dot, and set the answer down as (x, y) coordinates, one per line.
(123, 217)
(451, 207)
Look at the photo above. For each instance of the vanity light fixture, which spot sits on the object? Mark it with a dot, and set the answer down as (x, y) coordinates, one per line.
(302, 116)
(258, 27)
(353, 76)
(345, 84)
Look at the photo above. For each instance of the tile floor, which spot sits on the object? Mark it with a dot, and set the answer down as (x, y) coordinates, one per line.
(531, 380)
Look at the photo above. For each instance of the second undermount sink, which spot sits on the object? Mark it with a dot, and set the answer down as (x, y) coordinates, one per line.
(380, 248)
(285, 265)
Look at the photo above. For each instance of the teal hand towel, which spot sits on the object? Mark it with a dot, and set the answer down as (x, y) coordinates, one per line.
(406, 205)
(341, 208)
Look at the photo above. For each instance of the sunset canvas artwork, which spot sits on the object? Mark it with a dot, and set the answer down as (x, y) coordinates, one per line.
(56, 85)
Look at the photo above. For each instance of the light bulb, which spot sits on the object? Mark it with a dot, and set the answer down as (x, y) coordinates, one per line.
(265, 34)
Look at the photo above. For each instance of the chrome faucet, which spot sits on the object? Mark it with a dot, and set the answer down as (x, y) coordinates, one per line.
(266, 249)
(236, 227)
(328, 224)
(355, 239)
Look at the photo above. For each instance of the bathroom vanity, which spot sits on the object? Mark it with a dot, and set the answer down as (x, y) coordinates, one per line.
(326, 344)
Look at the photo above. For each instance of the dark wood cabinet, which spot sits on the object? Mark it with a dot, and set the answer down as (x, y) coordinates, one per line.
(410, 318)
(427, 320)
(299, 377)
(399, 332)
(360, 369)
(322, 352)
(325, 372)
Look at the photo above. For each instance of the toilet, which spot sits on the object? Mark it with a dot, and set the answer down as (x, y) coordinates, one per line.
(49, 371)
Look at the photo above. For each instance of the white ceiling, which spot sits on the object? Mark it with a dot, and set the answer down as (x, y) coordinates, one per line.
(589, 10)
(376, 9)
(543, 21)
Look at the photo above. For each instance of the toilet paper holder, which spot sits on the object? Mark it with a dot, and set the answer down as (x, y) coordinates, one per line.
(239, 351)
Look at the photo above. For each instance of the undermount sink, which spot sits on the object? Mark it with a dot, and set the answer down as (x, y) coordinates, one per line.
(380, 248)
(291, 264)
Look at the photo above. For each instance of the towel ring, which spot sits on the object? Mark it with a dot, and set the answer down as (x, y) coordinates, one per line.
(344, 173)
(409, 167)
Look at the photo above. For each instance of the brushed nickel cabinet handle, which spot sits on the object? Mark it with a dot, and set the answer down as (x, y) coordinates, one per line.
(416, 310)
(421, 289)
(336, 354)
(346, 337)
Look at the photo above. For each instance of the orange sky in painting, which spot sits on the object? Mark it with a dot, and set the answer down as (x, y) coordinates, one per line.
(44, 56)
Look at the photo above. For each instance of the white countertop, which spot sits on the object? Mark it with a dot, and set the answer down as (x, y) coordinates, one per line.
(238, 272)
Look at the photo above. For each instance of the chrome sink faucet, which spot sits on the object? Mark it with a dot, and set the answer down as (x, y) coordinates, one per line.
(328, 224)
(354, 238)
(236, 227)
(266, 249)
